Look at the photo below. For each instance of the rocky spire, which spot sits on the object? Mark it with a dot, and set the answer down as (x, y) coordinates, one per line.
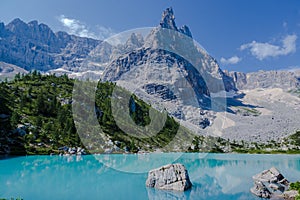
(168, 21)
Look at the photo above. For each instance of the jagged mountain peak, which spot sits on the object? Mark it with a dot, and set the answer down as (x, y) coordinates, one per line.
(17, 21)
(32, 30)
(168, 21)
(16, 25)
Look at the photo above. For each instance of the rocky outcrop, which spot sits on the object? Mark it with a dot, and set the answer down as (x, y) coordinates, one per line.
(169, 177)
(269, 183)
(161, 91)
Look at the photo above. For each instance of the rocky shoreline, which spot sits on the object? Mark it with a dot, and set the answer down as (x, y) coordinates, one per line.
(71, 151)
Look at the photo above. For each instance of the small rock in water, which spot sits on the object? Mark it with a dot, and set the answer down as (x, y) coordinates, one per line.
(169, 177)
(269, 183)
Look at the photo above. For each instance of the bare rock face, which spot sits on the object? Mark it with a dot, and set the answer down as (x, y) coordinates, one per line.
(269, 183)
(169, 177)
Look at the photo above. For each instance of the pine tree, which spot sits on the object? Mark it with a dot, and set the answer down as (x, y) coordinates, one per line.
(38, 121)
(14, 119)
(40, 103)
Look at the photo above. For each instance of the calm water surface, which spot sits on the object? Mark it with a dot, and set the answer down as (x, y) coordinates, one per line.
(214, 176)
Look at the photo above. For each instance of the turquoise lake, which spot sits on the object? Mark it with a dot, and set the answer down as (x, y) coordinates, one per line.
(214, 176)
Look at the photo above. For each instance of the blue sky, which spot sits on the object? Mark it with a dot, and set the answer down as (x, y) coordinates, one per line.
(243, 35)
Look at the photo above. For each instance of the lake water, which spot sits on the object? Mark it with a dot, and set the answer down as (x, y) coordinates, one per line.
(214, 176)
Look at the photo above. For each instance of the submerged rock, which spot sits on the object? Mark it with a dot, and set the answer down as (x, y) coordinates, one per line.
(169, 177)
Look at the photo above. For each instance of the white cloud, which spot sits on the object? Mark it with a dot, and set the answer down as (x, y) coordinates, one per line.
(264, 50)
(232, 60)
(76, 27)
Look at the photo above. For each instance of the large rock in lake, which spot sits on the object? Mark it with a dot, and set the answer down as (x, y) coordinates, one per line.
(169, 177)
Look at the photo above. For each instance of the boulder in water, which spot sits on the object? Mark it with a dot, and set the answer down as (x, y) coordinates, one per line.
(169, 177)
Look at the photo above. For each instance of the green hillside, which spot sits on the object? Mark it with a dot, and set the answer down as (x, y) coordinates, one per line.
(36, 117)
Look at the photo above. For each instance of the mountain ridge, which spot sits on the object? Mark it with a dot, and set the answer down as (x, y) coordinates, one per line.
(45, 50)
(35, 46)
